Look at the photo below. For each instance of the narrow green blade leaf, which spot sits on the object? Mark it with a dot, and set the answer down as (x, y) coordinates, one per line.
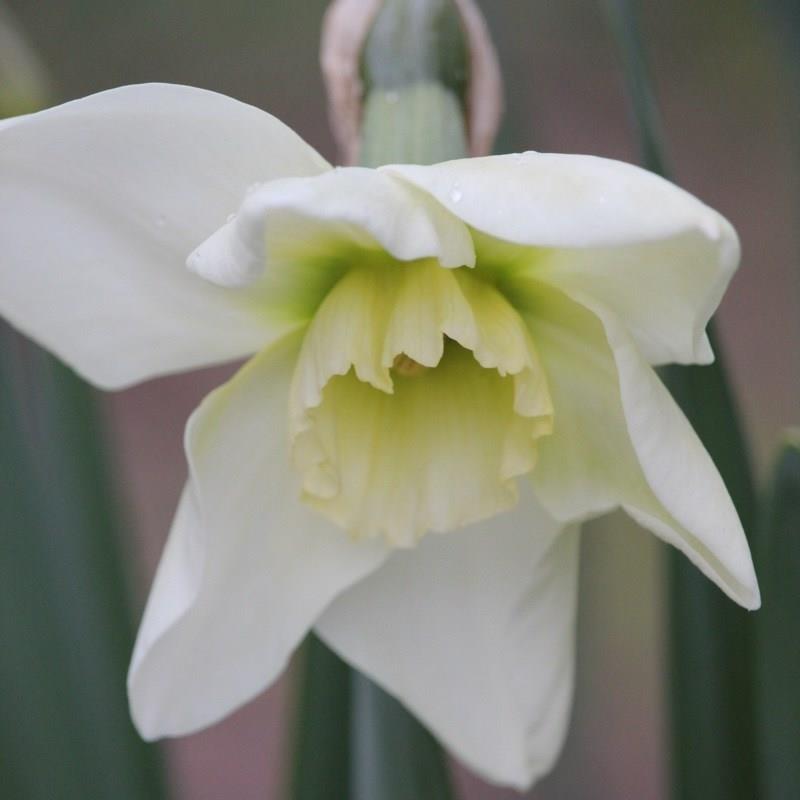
(778, 630)
(65, 626)
(644, 109)
(711, 658)
(787, 16)
(394, 757)
(711, 640)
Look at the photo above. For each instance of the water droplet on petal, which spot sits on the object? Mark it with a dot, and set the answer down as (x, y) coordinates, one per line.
(711, 227)
(231, 218)
(456, 194)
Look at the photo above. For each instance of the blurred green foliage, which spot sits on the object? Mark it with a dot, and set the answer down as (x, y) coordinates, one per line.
(711, 639)
(65, 625)
(24, 84)
(778, 629)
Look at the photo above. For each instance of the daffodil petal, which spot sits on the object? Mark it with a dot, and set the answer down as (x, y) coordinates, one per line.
(104, 198)
(604, 232)
(559, 200)
(679, 469)
(297, 232)
(474, 632)
(620, 440)
(247, 567)
(664, 292)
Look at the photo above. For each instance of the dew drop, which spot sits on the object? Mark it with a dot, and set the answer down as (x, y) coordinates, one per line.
(711, 228)
(456, 194)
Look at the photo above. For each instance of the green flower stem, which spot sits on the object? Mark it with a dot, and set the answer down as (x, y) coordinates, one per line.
(65, 731)
(414, 70)
(394, 757)
(321, 766)
(778, 629)
(711, 639)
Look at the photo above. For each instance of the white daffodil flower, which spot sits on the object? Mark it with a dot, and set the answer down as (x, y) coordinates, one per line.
(452, 364)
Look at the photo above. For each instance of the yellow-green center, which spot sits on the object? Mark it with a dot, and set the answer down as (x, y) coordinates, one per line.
(417, 401)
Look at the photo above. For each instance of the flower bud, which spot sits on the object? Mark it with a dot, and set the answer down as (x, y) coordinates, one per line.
(396, 63)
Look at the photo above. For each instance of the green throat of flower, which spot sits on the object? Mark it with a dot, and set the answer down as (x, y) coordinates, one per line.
(417, 400)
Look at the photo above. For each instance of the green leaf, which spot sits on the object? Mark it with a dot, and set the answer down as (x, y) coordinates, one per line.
(786, 14)
(65, 627)
(645, 115)
(711, 639)
(778, 629)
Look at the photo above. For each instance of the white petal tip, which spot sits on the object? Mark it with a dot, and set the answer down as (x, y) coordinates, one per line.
(225, 260)
(751, 600)
(710, 226)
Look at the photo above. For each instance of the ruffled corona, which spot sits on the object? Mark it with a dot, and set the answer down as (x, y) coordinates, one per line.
(417, 400)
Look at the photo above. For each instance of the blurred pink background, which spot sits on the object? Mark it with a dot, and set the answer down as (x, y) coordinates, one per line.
(730, 118)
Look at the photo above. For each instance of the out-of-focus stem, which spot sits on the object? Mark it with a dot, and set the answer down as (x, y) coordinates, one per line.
(412, 85)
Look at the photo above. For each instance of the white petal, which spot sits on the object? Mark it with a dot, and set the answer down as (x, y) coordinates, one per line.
(104, 198)
(474, 632)
(620, 440)
(665, 291)
(329, 222)
(680, 471)
(557, 200)
(247, 568)
(602, 231)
